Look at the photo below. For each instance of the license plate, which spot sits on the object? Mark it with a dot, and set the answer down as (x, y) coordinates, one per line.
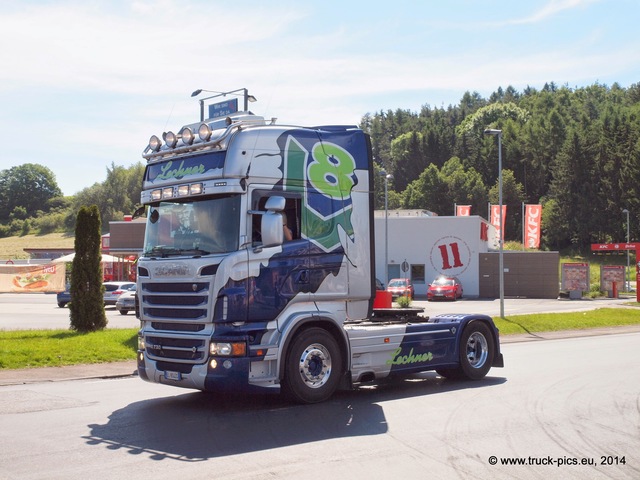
(173, 376)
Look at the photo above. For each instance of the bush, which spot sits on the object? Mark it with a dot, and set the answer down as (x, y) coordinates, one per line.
(404, 302)
(50, 223)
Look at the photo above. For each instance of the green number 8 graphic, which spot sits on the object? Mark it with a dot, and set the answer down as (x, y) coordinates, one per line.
(331, 172)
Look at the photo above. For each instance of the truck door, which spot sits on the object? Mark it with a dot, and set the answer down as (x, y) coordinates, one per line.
(278, 275)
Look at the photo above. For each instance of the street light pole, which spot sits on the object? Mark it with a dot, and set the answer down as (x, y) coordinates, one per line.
(387, 177)
(498, 133)
(626, 272)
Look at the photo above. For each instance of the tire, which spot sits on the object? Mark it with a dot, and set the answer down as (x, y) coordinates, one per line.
(313, 367)
(476, 354)
(476, 351)
(62, 304)
(123, 312)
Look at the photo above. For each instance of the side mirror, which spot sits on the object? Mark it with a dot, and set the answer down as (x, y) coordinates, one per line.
(272, 233)
(139, 212)
(271, 225)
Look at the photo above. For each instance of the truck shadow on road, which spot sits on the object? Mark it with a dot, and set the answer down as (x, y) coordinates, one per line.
(198, 426)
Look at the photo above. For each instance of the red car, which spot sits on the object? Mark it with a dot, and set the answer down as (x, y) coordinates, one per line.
(400, 287)
(444, 288)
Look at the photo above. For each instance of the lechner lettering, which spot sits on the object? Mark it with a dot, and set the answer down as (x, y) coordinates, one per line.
(397, 359)
(180, 172)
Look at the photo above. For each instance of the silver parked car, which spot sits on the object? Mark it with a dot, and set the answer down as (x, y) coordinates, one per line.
(112, 290)
(127, 301)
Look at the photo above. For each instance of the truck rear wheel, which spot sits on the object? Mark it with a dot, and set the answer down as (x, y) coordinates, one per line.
(313, 366)
(476, 353)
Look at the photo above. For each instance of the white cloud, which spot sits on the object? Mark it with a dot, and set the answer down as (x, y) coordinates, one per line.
(552, 8)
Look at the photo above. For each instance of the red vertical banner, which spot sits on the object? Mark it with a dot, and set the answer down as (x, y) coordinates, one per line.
(495, 218)
(463, 210)
(532, 219)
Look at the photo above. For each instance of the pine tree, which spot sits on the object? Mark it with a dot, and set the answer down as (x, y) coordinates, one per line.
(87, 306)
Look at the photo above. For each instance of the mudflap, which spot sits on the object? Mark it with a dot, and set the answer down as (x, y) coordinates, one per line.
(498, 361)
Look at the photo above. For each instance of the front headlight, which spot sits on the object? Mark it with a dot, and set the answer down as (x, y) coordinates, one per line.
(228, 349)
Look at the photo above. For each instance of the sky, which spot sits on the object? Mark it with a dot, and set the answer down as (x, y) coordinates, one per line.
(85, 83)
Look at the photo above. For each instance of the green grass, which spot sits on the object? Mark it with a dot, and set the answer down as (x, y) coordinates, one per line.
(54, 348)
(551, 322)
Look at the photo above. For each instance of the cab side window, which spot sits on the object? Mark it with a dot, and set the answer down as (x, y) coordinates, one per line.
(291, 215)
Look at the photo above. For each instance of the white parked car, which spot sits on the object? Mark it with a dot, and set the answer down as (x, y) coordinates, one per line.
(127, 301)
(112, 290)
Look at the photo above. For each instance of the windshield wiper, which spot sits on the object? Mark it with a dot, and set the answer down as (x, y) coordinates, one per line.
(194, 251)
(164, 251)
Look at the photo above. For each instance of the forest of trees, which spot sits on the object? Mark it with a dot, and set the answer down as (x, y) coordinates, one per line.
(575, 150)
(31, 202)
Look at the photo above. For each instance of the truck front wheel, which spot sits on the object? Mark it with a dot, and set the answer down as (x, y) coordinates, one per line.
(313, 366)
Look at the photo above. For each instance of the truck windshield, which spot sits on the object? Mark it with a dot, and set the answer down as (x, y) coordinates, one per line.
(200, 227)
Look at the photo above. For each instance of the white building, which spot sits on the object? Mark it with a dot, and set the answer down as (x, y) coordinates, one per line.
(422, 247)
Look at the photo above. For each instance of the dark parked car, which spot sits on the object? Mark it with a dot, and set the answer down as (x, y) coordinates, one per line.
(63, 297)
(379, 284)
(400, 287)
(444, 288)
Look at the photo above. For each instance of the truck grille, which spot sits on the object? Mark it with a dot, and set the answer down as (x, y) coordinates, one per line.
(178, 349)
(175, 301)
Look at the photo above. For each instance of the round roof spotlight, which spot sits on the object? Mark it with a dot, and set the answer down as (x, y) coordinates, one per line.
(171, 139)
(154, 143)
(187, 136)
(204, 132)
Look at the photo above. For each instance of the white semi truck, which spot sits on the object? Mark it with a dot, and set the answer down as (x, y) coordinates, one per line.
(257, 272)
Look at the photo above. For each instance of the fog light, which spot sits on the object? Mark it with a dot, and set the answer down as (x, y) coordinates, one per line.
(213, 364)
(171, 139)
(155, 143)
(187, 136)
(204, 132)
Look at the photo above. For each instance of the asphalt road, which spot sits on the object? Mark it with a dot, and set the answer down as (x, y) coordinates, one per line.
(40, 311)
(554, 404)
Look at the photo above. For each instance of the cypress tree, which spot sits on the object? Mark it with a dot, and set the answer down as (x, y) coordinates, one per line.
(87, 306)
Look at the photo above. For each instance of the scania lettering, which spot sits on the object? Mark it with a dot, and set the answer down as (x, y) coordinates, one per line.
(257, 271)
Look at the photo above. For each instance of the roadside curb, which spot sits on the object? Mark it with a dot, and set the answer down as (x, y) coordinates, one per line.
(26, 376)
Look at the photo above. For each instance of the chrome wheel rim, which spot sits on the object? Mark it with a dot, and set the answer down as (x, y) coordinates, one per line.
(315, 365)
(477, 350)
